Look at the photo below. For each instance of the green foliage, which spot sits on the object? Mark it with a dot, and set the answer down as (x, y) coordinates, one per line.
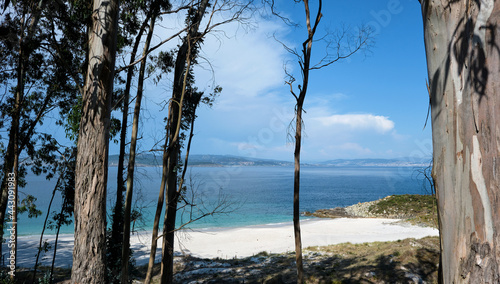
(48, 67)
(161, 65)
(5, 278)
(210, 99)
(114, 129)
(406, 204)
(45, 247)
(28, 205)
(72, 125)
(419, 209)
(44, 158)
(263, 253)
(45, 279)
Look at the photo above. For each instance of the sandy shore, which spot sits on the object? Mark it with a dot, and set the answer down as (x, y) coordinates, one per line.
(242, 242)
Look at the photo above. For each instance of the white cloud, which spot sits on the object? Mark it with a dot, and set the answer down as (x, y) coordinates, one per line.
(381, 124)
(245, 64)
(252, 115)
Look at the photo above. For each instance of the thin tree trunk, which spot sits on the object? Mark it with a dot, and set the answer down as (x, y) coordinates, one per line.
(118, 214)
(167, 264)
(171, 198)
(55, 249)
(182, 67)
(159, 207)
(89, 254)
(131, 161)
(44, 227)
(305, 66)
(463, 61)
(188, 149)
(296, 196)
(167, 267)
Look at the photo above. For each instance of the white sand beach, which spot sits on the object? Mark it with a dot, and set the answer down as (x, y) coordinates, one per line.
(244, 241)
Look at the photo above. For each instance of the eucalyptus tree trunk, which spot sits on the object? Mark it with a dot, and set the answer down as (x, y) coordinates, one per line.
(114, 256)
(159, 208)
(117, 230)
(463, 58)
(182, 67)
(123, 132)
(89, 253)
(131, 161)
(173, 152)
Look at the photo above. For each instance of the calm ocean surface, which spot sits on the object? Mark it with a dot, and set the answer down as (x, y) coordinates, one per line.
(257, 195)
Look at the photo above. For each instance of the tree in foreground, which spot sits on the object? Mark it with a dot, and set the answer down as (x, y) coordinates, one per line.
(26, 77)
(89, 254)
(340, 46)
(463, 62)
(201, 19)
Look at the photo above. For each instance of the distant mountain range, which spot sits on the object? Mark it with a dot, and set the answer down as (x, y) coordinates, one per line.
(150, 160)
(402, 162)
(204, 161)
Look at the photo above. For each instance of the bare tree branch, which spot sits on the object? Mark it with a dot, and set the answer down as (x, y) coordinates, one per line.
(275, 13)
(196, 207)
(288, 49)
(178, 9)
(151, 50)
(237, 14)
(304, 60)
(345, 45)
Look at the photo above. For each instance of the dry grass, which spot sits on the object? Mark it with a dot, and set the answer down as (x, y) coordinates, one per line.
(402, 261)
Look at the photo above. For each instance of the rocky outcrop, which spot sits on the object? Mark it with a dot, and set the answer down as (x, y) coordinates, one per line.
(360, 210)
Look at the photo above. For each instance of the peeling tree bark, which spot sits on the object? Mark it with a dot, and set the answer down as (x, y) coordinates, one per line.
(89, 254)
(463, 57)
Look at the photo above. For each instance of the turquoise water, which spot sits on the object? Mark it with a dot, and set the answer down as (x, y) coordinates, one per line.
(256, 195)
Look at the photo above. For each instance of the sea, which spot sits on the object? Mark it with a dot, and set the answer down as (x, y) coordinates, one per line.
(239, 196)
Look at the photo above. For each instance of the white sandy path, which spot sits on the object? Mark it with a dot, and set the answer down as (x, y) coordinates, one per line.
(245, 241)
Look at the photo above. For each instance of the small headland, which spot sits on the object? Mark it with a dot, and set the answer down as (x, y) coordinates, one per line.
(415, 209)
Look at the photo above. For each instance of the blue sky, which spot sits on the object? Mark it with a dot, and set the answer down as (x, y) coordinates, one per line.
(372, 105)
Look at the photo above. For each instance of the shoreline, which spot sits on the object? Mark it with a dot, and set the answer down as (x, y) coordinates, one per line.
(241, 242)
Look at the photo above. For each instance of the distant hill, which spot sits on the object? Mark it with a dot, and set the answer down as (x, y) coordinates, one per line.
(228, 160)
(142, 160)
(402, 162)
(150, 160)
